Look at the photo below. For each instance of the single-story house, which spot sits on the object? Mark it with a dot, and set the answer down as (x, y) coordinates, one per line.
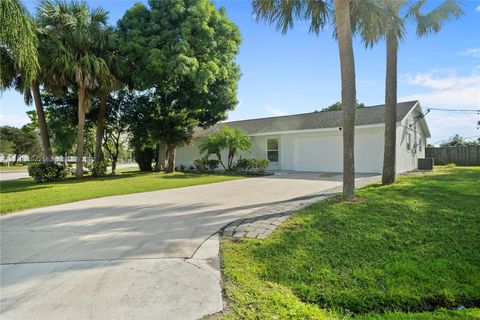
(313, 141)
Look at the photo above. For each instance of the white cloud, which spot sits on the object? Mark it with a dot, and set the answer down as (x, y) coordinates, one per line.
(275, 111)
(13, 120)
(446, 124)
(477, 9)
(471, 53)
(448, 90)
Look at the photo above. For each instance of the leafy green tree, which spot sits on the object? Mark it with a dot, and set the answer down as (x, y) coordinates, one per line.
(284, 13)
(457, 141)
(75, 34)
(232, 139)
(116, 124)
(338, 106)
(22, 141)
(184, 52)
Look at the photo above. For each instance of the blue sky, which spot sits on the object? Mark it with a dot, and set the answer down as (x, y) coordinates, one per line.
(299, 72)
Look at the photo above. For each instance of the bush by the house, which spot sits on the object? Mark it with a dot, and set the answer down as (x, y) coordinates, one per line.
(204, 164)
(98, 169)
(251, 165)
(47, 171)
(260, 164)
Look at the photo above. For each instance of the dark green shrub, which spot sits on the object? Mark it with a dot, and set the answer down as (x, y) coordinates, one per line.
(242, 165)
(47, 171)
(204, 164)
(247, 165)
(144, 158)
(181, 168)
(98, 169)
(201, 164)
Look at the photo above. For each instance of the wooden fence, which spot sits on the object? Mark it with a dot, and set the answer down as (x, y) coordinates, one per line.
(461, 156)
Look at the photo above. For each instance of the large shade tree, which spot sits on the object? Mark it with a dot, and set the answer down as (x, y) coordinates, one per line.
(184, 52)
(284, 14)
(75, 36)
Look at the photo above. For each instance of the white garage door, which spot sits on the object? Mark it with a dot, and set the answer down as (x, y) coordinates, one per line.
(322, 154)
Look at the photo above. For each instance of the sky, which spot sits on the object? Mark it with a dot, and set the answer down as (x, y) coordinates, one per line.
(299, 72)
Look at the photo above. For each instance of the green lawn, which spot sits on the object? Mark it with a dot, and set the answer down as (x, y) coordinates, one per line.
(13, 168)
(23, 194)
(399, 252)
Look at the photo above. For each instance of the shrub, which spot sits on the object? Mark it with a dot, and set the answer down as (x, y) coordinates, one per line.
(98, 169)
(204, 164)
(245, 165)
(181, 168)
(260, 164)
(47, 171)
(450, 165)
(242, 165)
(201, 164)
(144, 158)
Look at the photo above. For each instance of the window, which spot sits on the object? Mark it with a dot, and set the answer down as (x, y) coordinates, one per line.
(272, 150)
(420, 144)
(409, 142)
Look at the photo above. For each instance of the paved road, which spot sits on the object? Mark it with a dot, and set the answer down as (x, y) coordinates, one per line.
(21, 174)
(132, 256)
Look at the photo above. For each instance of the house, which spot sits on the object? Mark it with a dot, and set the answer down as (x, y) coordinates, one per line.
(313, 141)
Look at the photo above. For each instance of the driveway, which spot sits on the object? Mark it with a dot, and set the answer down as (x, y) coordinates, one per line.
(136, 256)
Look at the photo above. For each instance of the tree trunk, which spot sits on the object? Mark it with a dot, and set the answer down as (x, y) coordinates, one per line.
(114, 165)
(42, 123)
(219, 156)
(172, 152)
(80, 132)
(102, 107)
(161, 157)
(16, 160)
(347, 66)
(389, 151)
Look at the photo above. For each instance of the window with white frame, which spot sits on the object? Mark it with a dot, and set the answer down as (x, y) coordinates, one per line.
(409, 142)
(272, 150)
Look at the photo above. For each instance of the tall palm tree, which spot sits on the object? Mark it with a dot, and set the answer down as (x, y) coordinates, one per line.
(75, 34)
(19, 60)
(391, 27)
(18, 44)
(284, 13)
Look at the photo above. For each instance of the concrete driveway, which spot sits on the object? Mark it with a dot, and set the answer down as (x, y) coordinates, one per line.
(135, 256)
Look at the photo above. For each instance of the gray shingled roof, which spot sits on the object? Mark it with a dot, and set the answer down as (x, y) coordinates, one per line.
(306, 121)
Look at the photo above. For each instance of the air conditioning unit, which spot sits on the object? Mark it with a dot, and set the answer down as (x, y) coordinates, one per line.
(425, 164)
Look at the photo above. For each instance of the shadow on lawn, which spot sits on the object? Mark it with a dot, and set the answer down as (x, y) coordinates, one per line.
(412, 246)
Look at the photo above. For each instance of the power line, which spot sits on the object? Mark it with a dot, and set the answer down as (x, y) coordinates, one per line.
(455, 110)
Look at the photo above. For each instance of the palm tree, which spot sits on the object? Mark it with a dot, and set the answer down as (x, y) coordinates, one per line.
(213, 145)
(18, 37)
(393, 30)
(75, 34)
(20, 63)
(283, 13)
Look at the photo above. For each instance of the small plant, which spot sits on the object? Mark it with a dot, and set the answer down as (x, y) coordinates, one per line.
(181, 168)
(450, 165)
(47, 171)
(260, 164)
(201, 164)
(98, 169)
(213, 164)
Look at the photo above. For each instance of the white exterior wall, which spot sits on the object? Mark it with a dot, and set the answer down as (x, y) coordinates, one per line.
(407, 160)
(308, 151)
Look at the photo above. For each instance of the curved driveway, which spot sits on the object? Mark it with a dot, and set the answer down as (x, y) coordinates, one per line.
(130, 256)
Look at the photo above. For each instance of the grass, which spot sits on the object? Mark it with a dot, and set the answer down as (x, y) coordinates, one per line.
(24, 194)
(13, 168)
(406, 251)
